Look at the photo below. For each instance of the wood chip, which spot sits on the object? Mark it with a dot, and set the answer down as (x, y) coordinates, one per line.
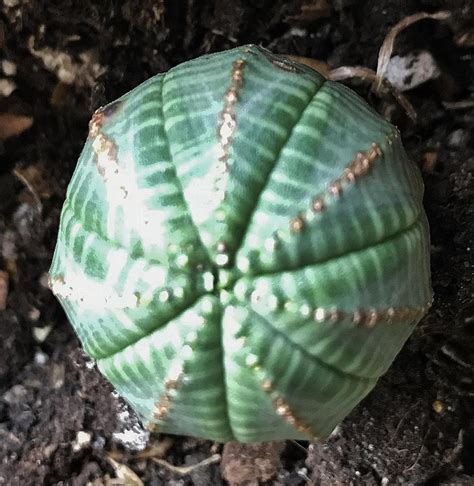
(312, 10)
(61, 95)
(3, 290)
(430, 161)
(13, 125)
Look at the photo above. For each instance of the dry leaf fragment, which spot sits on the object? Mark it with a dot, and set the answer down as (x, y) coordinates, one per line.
(13, 125)
(125, 474)
(60, 95)
(155, 450)
(10, 266)
(347, 72)
(322, 67)
(159, 10)
(366, 74)
(183, 470)
(466, 39)
(379, 79)
(387, 47)
(430, 161)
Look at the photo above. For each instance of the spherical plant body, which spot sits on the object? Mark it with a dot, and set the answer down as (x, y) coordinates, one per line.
(243, 248)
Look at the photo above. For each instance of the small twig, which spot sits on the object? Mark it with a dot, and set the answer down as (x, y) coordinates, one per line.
(420, 452)
(29, 186)
(377, 78)
(182, 470)
(347, 72)
(155, 451)
(458, 105)
(386, 50)
(304, 476)
(299, 445)
(458, 447)
(408, 412)
(367, 74)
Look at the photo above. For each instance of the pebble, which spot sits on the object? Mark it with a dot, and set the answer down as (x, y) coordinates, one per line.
(83, 439)
(41, 333)
(408, 72)
(16, 394)
(99, 443)
(34, 314)
(8, 67)
(7, 86)
(41, 358)
(132, 435)
(458, 138)
(9, 248)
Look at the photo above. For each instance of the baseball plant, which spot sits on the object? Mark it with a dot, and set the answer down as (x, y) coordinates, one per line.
(243, 248)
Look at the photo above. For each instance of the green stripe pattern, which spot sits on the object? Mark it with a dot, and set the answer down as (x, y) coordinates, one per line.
(213, 318)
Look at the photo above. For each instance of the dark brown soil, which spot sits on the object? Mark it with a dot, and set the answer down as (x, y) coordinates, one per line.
(417, 427)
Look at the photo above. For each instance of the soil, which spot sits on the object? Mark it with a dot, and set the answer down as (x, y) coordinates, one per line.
(60, 422)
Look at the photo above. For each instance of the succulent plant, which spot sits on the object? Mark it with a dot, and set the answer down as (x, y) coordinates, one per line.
(243, 248)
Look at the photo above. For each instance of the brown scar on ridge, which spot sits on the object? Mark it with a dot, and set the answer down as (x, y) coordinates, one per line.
(104, 147)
